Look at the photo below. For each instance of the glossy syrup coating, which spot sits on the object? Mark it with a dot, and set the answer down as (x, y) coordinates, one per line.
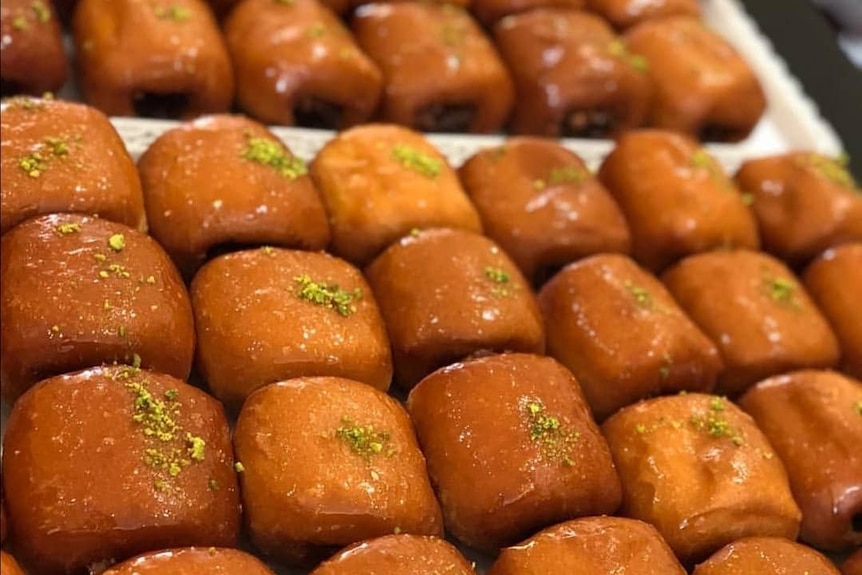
(192, 561)
(227, 180)
(511, 448)
(64, 157)
(379, 182)
(489, 12)
(573, 76)
(540, 202)
(813, 419)
(270, 314)
(448, 294)
(698, 468)
(766, 556)
(617, 328)
(441, 73)
(756, 311)
(361, 473)
(8, 565)
(676, 198)
(34, 61)
(626, 13)
(853, 564)
(398, 555)
(600, 545)
(79, 292)
(297, 64)
(154, 469)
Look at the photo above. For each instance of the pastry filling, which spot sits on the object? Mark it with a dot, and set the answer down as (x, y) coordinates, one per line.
(312, 112)
(170, 106)
(589, 123)
(446, 118)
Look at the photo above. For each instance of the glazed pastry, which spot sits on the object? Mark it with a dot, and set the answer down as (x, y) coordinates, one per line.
(599, 545)
(447, 294)
(813, 419)
(853, 564)
(34, 61)
(222, 8)
(79, 292)
(441, 73)
(103, 464)
(702, 87)
(296, 64)
(757, 313)
(379, 182)
(626, 13)
(511, 448)
(804, 203)
(488, 12)
(617, 328)
(676, 198)
(64, 157)
(192, 561)
(8, 565)
(149, 58)
(226, 181)
(270, 314)
(573, 76)
(398, 555)
(697, 468)
(542, 205)
(361, 474)
(766, 556)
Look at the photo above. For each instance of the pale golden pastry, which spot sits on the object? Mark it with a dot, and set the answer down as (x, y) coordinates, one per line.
(398, 555)
(766, 556)
(34, 61)
(192, 561)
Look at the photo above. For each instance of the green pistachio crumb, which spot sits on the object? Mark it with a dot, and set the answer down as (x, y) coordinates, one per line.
(104, 274)
(642, 297)
(640, 428)
(316, 30)
(417, 161)
(414, 232)
(363, 440)
(555, 439)
(197, 447)
(273, 153)
(503, 286)
(397, 530)
(268, 250)
(136, 361)
(833, 169)
(213, 485)
(858, 407)
(747, 199)
(68, 228)
(19, 23)
(121, 331)
(701, 159)
(619, 50)
(40, 10)
(34, 164)
(238, 467)
(781, 290)
(573, 174)
(715, 424)
(117, 242)
(151, 280)
(100, 257)
(174, 13)
(328, 295)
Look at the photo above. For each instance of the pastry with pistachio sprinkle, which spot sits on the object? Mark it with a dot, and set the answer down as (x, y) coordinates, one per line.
(766, 556)
(34, 61)
(192, 561)
(399, 554)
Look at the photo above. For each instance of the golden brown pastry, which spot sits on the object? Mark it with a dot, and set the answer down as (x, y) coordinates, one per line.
(8, 565)
(626, 13)
(64, 157)
(441, 73)
(757, 313)
(766, 556)
(620, 332)
(447, 294)
(103, 464)
(226, 181)
(79, 292)
(152, 58)
(573, 76)
(701, 85)
(698, 469)
(542, 205)
(34, 61)
(296, 64)
(488, 12)
(853, 564)
(192, 561)
(379, 182)
(398, 555)
(813, 419)
(361, 474)
(676, 198)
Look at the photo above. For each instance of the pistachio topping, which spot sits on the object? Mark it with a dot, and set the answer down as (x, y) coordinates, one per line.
(556, 440)
(316, 30)
(238, 467)
(747, 198)
(833, 169)
(40, 10)
(858, 407)
(636, 61)
(714, 423)
(173, 13)
(363, 440)
(417, 161)
(213, 485)
(501, 279)
(328, 295)
(642, 297)
(36, 162)
(268, 250)
(272, 153)
(68, 228)
(781, 290)
(573, 174)
(20, 24)
(117, 242)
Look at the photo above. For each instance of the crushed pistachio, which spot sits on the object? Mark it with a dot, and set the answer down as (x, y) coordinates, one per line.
(117, 270)
(556, 440)
(640, 428)
(417, 161)
(363, 440)
(174, 13)
(636, 61)
(196, 447)
(833, 169)
(238, 467)
(664, 372)
(117, 242)
(36, 162)
(40, 10)
(121, 331)
(151, 280)
(643, 298)
(715, 424)
(858, 407)
(272, 153)
(747, 199)
(19, 23)
(573, 174)
(414, 232)
(328, 295)
(100, 257)
(268, 250)
(316, 30)
(781, 290)
(501, 279)
(213, 485)
(68, 228)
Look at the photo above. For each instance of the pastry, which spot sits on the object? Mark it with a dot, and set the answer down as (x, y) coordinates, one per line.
(489, 12)
(192, 561)
(853, 564)
(398, 555)
(626, 13)
(766, 556)
(34, 61)
(8, 565)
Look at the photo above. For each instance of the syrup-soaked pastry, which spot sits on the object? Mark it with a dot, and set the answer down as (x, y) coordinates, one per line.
(617, 328)
(441, 73)
(573, 76)
(596, 545)
(401, 554)
(511, 448)
(270, 314)
(8, 565)
(626, 13)
(542, 205)
(853, 564)
(766, 556)
(152, 58)
(448, 294)
(297, 64)
(813, 419)
(64, 157)
(379, 182)
(804, 202)
(698, 468)
(104, 464)
(79, 292)
(192, 561)
(226, 181)
(757, 313)
(489, 12)
(701, 85)
(222, 8)
(361, 474)
(34, 61)
(676, 198)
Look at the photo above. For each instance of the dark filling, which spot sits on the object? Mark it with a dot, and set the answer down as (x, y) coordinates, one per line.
(316, 113)
(856, 522)
(718, 133)
(594, 123)
(446, 118)
(171, 106)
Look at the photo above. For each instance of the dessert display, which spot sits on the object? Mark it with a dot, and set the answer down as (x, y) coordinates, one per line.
(8, 565)
(192, 561)
(541, 204)
(236, 184)
(449, 294)
(34, 61)
(757, 313)
(79, 292)
(626, 13)
(440, 72)
(619, 331)
(296, 64)
(813, 419)
(153, 470)
(398, 555)
(326, 462)
(766, 556)
(269, 314)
